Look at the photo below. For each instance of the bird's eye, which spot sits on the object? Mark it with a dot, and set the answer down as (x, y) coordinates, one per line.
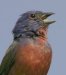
(33, 15)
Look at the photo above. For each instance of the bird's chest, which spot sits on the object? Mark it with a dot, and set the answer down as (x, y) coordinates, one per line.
(32, 59)
(32, 54)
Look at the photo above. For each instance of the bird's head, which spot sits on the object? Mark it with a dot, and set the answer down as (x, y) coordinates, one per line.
(32, 24)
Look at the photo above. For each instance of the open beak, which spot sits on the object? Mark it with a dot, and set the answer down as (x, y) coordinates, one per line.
(45, 16)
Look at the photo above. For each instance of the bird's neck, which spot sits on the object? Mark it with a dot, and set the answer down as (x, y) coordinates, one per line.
(42, 38)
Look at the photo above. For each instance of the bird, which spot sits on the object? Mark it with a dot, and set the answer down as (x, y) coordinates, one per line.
(30, 52)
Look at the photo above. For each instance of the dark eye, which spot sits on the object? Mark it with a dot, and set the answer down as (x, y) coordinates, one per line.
(33, 15)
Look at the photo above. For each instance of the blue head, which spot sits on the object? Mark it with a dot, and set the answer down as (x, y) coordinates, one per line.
(29, 24)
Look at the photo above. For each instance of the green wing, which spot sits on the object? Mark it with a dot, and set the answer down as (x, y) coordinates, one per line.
(8, 60)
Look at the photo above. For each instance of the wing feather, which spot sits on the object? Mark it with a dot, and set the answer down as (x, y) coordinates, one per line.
(8, 60)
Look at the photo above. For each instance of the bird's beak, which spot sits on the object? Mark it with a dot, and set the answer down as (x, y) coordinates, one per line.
(45, 16)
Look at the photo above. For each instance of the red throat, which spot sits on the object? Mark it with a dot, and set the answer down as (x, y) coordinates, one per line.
(42, 38)
(43, 33)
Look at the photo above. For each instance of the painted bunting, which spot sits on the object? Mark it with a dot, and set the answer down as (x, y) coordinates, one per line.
(30, 53)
